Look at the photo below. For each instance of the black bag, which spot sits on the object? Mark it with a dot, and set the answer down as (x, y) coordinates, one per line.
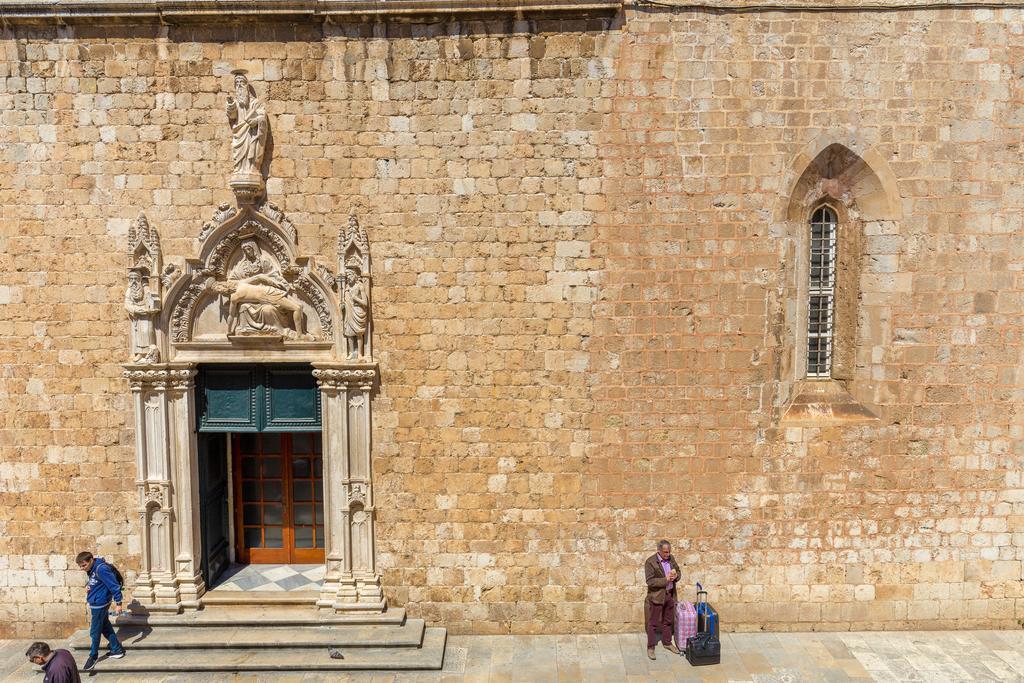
(117, 574)
(703, 649)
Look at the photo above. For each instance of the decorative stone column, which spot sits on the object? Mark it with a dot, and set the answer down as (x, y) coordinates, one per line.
(169, 576)
(351, 582)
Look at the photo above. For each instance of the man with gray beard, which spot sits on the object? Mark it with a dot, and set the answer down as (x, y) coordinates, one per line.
(248, 119)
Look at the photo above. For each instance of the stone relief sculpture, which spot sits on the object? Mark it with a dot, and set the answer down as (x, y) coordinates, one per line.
(170, 275)
(354, 254)
(258, 297)
(140, 301)
(249, 129)
(262, 289)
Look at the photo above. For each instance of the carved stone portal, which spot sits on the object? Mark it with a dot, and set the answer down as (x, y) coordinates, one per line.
(248, 296)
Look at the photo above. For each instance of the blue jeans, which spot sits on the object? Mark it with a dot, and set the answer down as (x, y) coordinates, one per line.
(100, 624)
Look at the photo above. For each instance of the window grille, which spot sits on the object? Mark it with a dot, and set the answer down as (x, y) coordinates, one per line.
(821, 293)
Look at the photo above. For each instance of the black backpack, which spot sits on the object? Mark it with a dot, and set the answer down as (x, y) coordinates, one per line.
(117, 574)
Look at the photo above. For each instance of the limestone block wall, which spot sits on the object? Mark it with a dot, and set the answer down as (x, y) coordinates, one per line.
(584, 300)
(913, 521)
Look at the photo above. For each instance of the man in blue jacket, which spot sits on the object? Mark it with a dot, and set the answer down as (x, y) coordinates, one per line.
(103, 587)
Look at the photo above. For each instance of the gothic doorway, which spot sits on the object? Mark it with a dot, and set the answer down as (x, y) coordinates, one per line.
(287, 332)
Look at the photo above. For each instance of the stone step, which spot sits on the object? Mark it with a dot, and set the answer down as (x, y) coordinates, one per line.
(137, 638)
(428, 657)
(259, 616)
(261, 598)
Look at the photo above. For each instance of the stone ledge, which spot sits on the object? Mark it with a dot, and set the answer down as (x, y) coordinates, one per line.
(825, 5)
(181, 10)
(824, 403)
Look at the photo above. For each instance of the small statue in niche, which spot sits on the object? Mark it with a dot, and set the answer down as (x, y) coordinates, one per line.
(142, 306)
(248, 118)
(257, 296)
(357, 310)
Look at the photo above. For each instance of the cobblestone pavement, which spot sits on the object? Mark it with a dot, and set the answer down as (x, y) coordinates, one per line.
(931, 656)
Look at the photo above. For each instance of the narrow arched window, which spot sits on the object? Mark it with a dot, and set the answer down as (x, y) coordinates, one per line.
(821, 292)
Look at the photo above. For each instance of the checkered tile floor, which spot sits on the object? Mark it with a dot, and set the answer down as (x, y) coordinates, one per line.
(271, 577)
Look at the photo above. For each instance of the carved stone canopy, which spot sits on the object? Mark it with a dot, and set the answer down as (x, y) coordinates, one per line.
(143, 247)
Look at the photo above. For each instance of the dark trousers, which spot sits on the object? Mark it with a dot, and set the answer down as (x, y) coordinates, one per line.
(100, 624)
(661, 616)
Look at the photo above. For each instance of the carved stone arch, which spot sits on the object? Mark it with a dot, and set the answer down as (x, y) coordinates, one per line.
(318, 294)
(182, 301)
(857, 172)
(224, 241)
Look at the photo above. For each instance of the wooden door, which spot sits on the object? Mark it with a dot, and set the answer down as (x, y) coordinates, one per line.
(279, 497)
(213, 504)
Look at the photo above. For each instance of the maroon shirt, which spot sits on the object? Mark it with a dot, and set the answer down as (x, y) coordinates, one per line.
(61, 668)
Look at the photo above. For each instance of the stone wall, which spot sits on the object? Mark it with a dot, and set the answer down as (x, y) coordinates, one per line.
(587, 300)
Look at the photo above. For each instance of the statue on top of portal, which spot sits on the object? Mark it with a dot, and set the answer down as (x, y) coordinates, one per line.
(248, 118)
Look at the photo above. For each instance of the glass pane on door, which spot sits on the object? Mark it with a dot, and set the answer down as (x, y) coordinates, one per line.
(261, 501)
(307, 480)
